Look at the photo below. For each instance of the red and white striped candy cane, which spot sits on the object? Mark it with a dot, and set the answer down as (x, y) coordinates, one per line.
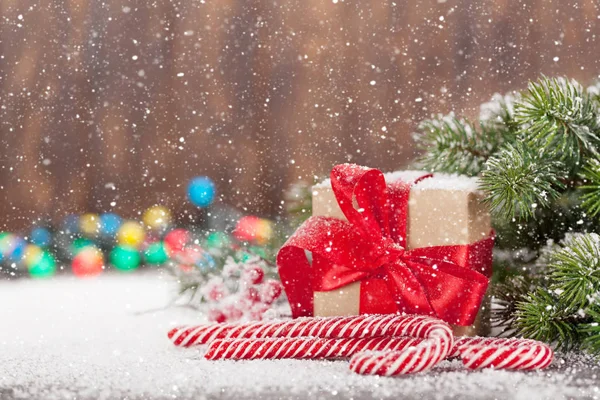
(524, 356)
(382, 345)
(316, 348)
(437, 345)
(463, 342)
(409, 356)
(331, 327)
(302, 348)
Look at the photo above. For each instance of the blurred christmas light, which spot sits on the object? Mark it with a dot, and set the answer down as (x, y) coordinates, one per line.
(201, 191)
(32, 254)
(157, 218)
(218, 240)
(110, 224)
(253, 229)
(90, 225)
(131, 234)
(80, 244)
(44, 266)
(125, 258)
(156, 254)
(88, 262)
(176, 240)
(41, 237)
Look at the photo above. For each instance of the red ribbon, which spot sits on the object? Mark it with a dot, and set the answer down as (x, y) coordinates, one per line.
(448, 282)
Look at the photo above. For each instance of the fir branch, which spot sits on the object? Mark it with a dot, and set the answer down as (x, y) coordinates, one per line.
(560, 118)
(517, 181)
(506, 296)
(542, 317)
(575, 271)
(500, 112)
(457, 146)
(591, 188)
(591, 331)
(594, 92)
(567, 311)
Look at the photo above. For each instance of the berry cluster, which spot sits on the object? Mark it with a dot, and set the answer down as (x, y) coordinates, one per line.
(243, 287)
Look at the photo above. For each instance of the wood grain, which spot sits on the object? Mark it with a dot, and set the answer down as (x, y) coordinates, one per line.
(272, 91)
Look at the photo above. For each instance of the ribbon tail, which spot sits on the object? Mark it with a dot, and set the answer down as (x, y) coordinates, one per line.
(455, 293)
(338, 257)
(295, 272)
(409, 293)
(474, 256)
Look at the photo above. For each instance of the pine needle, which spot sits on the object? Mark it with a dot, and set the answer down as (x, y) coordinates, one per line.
(559, 118)
(517, 181)
(591, 188)
(457, 146)
(575, 270)
(541, 317)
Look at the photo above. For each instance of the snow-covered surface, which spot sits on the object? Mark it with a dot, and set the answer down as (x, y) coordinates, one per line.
(81, 339)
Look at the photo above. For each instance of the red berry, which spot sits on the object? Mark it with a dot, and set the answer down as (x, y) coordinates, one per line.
(254, 274)
(233, 313)
(217, 316)
(176, 240)
(271, 290)
(253, 295)
(215, 292)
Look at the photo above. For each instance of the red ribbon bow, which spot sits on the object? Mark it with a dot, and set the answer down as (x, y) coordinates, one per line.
(448, 282)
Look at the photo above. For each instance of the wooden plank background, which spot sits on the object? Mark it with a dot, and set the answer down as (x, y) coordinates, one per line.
(115, 104)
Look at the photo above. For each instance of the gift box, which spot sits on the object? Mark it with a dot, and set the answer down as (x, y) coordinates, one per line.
(406, 241)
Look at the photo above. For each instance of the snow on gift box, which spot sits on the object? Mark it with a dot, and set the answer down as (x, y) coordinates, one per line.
(401, 242)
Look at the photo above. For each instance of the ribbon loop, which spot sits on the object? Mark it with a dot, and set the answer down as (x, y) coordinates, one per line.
(365, 188)
(444, 281)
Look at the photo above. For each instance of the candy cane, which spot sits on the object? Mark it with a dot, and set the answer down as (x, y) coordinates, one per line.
(376, 344)
(315, 348)
(302, 348)
(463, 342)
(437, 345)
(418, 356)
(330, 327)
(517, 356)
(274, 348)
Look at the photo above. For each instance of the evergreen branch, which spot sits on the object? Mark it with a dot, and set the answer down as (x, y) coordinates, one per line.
(560, 118)
(517, 181)
(591, 188)
(591, 331)
(540, 169)
(457, 146)
(543, 318)
(506, 296)
(567, 312)
(594, 92)
(500, 112)
(565, 215)
(575, 271)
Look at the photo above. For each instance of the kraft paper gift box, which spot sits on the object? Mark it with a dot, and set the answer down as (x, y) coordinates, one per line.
(443, 210)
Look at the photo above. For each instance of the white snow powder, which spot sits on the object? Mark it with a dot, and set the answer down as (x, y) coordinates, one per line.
(437, 181)
(67, 338)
